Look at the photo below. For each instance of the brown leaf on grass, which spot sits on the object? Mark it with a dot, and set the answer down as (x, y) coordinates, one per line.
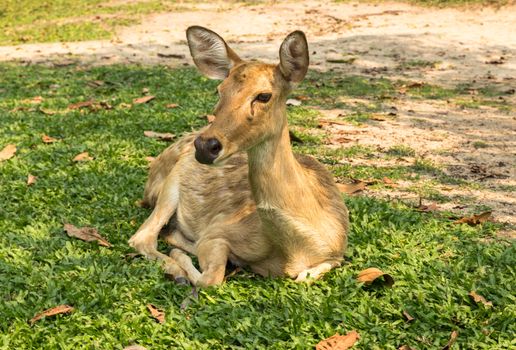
(338, 342)
(352, 188)
(61, 309)
(405, 347)
(157, 314)
(82, 157)
(7, 152)
(88, 234)
(324, 122)
(36, 100)
(47, 111)
(475, 219)
(80, 105)
(388, 182)
(453, 338)
(378, 117)
(427, 208)
(408, 316)
(477, 298)
(48, 139)
(368, 276)
(134, 347)
(160, 135)
(172, 105)
(31, 179)
(144, 99)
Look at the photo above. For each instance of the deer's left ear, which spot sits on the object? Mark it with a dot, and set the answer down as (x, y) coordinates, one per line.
(211, 54)
(294, 57)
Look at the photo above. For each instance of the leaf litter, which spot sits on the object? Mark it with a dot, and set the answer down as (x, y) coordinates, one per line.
(87, 234)
(82, 157)
(156, 313)
(57, 310)
(475, 219)
(338, 342)
(370, 275)
(7, 152)
(477, 298)
(163, 136)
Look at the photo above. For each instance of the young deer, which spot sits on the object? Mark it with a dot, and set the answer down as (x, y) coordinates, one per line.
(234, 190)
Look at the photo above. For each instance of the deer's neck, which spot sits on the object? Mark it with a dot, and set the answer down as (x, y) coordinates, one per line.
(275, 176)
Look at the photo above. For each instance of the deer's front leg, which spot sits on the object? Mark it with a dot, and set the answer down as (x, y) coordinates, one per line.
(213, 256)
(145, 240)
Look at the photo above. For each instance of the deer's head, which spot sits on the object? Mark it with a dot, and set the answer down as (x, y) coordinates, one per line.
(252, 95)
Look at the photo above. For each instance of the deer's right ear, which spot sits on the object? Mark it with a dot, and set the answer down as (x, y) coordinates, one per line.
(211, 54)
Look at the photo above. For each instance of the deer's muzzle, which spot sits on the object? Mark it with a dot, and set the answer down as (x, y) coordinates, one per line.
(206, 151)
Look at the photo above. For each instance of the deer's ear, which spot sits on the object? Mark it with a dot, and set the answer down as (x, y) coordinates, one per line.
(294, 57)
(211, 54)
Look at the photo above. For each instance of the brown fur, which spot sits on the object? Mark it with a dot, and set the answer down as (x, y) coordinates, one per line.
(259, 205)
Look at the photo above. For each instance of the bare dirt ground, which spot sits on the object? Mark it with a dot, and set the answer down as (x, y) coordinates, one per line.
(444, 47)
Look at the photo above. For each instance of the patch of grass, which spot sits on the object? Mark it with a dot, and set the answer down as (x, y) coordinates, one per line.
(416, 64)
(480, 144)
(435, 263)
(401, 151)
(29, 21)
(325, 89)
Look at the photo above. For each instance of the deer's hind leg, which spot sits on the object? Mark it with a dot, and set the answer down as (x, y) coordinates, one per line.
(316, 272)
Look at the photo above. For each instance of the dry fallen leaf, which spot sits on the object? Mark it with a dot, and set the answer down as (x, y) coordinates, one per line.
(80, 105)
(351, 188)
(408, 316)
(48, 139)
(453, 338)
(159, 135)
(156, 313)
(475, 219)
(368, 276)
(61, 309)
(143, 99)
(427, 208)
(378, 117)
(338, 342)
(7, 152)
(82, 157)
(135, 347)
(31, 179)
(172, 105)
(405, 347)
(477, 298)
(388, 182)
(47, 111)
(324, 122)
(88, 234)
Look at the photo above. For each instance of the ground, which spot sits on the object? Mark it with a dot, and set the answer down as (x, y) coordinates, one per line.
(417, 103)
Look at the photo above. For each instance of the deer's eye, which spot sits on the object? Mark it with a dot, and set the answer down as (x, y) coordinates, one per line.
(263, 97)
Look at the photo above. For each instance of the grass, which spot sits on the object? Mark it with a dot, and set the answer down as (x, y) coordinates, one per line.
(24, 21)
(435, 263)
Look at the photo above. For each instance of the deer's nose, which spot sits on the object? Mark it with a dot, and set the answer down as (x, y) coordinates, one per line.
(206, 151)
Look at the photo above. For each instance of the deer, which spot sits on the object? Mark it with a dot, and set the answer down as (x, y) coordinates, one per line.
(234, 190)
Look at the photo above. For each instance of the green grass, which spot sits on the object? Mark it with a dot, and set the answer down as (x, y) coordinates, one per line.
(23, 21)
(435, 263)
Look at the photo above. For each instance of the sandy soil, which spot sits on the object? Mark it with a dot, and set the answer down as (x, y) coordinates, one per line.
(475, 46)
